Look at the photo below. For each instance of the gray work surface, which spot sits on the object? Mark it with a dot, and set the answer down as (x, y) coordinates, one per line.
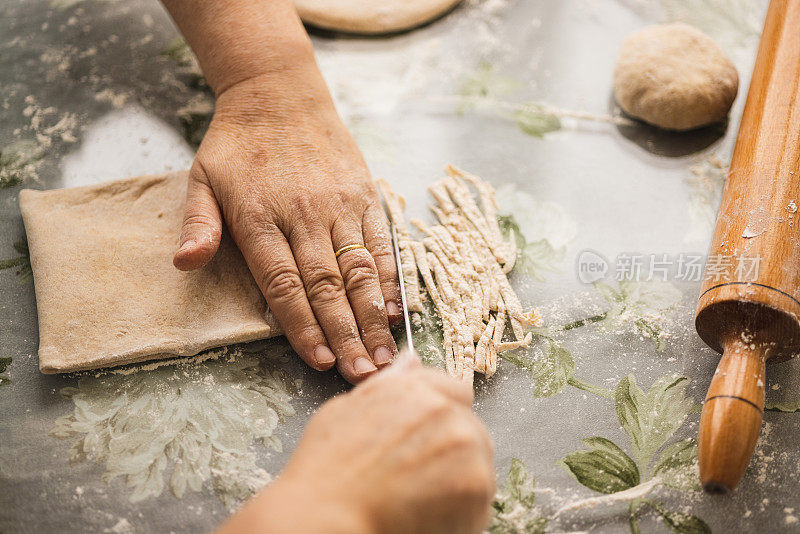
(97, 90)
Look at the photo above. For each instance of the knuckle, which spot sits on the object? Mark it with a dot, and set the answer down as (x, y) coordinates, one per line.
(437, 409)
(374, 328)
(463, 437)
(383, 252)
(197, 172)
(324, 284)
(344, 197)
(350, 346)
(283, 284)
(371, 193)
(307, 334)
(248, 215)
(304, 206)
(359, 272)
(200, 220)
(365, 187)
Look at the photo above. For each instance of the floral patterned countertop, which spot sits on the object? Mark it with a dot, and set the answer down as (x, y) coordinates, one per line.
(593, 424)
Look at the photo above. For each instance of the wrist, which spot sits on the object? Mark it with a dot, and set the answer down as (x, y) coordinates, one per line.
(296, 506)
(237, 40)
(291, 97)
(289, 57)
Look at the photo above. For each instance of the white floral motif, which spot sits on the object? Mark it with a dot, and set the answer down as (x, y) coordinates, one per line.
(732, 23)
(199, 418)
(546, 227)
(537, 220)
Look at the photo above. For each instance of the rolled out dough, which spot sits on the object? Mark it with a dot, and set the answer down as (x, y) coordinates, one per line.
(107, 293)
(371, 17)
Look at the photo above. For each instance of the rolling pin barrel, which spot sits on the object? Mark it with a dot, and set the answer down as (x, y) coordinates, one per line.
(749, 307)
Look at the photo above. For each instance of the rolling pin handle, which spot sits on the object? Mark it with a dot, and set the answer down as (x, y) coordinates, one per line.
(732, 414)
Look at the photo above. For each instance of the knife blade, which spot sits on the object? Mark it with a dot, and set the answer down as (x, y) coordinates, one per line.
(403, 301)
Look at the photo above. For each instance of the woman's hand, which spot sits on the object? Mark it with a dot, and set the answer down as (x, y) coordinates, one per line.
(401, 453)
(280, 168)
(283, 171)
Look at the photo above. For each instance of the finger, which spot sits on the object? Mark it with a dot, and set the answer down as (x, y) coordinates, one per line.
(378, 241)
(202, 224)
(270, 260)
(454, 389)
(324, 288)
(362, 285)
(405, 361)
(408, 364)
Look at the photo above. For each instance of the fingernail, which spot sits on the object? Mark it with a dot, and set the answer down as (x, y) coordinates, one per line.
(323, 355)
(363, 366)
(187, 245)
(382, 356)
(392, 308)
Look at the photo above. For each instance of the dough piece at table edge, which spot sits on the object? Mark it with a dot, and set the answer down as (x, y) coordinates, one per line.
(371, 18)
(226, 281)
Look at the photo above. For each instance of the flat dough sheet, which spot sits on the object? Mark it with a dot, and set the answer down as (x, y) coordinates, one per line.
(107, 293)
(372, 17)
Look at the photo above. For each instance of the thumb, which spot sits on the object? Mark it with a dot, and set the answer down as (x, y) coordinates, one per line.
(202, 224)
(405, 361)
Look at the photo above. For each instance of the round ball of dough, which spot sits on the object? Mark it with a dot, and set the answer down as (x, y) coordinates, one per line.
(371, 17)
(674, 77)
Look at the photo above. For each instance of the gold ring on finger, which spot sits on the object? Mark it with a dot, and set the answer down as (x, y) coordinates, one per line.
(348, 248)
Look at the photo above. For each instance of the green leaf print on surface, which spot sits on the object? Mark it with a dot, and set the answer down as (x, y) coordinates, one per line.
(426, 328)
(551, 373)
(484, 83)
(189, 423)
(675, 466)
(551, 370)
(604, 467)
(24, 273)
(640, 304)
(18, 161)
(519, 486)
(512, 508)
(482, 91)
(535, 121)
(783, 386)
(679, 522)
(532, 258)
(178, 50)
(650, 420)
(4, 363)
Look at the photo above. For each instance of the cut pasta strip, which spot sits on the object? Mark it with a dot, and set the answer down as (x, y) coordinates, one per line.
(395, 204)
(482, 348)
(511, 345)
(462, 262)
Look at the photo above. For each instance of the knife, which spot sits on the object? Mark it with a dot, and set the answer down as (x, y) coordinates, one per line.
(403, 301)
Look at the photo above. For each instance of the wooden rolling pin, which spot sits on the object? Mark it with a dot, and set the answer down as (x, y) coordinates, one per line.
(749, 307)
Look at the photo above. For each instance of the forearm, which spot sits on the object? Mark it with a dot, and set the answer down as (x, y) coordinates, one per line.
(288, 507)
(238, 40)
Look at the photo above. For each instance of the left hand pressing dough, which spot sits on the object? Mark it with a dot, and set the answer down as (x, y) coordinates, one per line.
(107, 293)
